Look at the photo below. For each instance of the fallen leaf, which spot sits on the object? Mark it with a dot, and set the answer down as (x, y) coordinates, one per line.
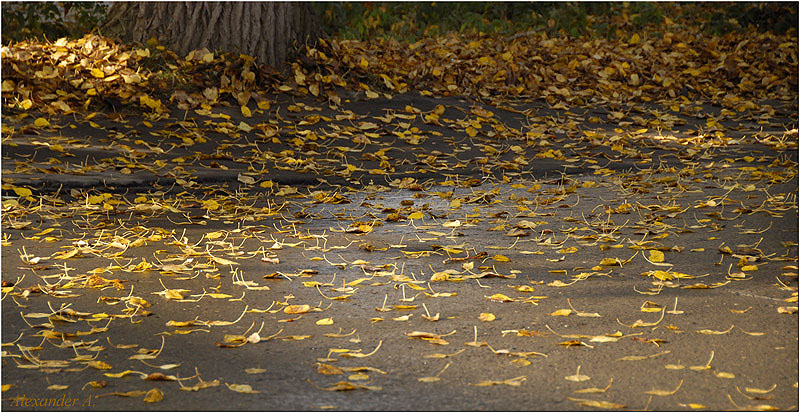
(486, 317)
(153, 396)
(562, 312)
(577, 376)
(515, 382)
(664, 392)
(600, 404)
(242, 388)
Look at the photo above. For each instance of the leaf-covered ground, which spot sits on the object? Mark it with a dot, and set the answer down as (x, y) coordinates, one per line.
(462, 223)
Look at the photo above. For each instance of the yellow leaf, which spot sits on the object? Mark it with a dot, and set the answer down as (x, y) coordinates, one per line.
(41, 122)
(297, 309)
(501, 258)
(662, 275)
(223, 261)
(98, 73)
(500, 297)
(120, 374)
(428, 379)
(363, 63)
(600, 404)
(20, 191)
(66, 254)
(595, 389)
(173, 295)
(707, 331)
(656, 256)
(634, 39)
(415, 215)
(760, 391)
(609, 261)
(486, 317)
(664, 392)
(154, 396)
(561, 312)
(246, 112)
(325, 321)
(604, 339)
(524, 288)
(100, 365)
(241, 388)
(255, 370)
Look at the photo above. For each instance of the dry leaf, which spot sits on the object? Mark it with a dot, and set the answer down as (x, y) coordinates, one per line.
(242, 388)
(664, 392)
(486, 317)
(599, 404)
(577, 376)
(153, 396)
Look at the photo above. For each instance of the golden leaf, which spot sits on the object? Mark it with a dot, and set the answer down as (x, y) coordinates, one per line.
(600, 404)
(656, 256)
(562, 312)
(100, 365)
(486, 317)
(242, 388)
(255, 370)
(664, 392)
(500, 297)
(153, 396)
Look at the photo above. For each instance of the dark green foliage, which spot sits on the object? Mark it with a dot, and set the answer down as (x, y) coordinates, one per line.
(51, 20)
(772, 16)
(410, 21)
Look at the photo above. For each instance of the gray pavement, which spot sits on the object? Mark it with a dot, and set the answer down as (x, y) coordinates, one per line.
(402, 255)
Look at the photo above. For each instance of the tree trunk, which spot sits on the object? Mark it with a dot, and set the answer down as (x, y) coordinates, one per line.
(264, 30)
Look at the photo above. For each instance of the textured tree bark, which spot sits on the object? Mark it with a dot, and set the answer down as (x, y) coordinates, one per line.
(264, 30)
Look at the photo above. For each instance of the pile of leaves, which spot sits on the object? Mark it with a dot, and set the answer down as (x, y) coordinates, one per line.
(94, 71)
(680, 66)
(724, 70)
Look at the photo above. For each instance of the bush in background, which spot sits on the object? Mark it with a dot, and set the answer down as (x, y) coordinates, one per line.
(50, 20)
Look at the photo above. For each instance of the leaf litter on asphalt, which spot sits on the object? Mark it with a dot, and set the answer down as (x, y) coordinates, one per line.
(422, 250)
